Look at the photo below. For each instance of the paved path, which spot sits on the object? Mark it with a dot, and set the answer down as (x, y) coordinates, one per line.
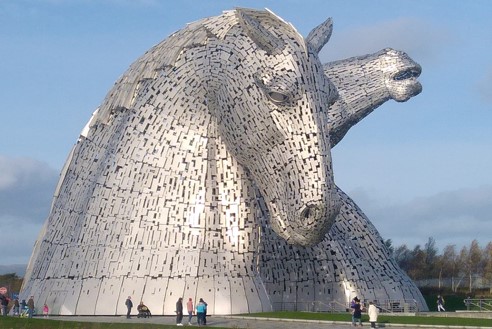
(243, 322)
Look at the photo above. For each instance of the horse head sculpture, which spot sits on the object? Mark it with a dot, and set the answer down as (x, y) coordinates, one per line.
(386, 74)
(273, 108)
(207, 172)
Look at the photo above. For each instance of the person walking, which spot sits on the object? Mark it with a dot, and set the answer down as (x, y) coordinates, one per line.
(4, 303)
(129, 305)
(440, 303)
(204, 313)
(23, 307)
(16, 307)
(30, 306)
(179, 311)
(191, 310)
(373, 312)
(357, 313)
(200, 312)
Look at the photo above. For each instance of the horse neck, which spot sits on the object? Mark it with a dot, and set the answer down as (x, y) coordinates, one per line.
(230, 199)
(210, 194)
(351, 76)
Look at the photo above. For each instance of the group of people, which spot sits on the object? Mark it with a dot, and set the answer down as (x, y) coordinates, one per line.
(143, 310)
(373, 311)
(358, 308)
(22, 308)
(201, 311)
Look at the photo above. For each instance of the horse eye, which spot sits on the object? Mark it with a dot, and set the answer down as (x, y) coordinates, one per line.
(277, 97)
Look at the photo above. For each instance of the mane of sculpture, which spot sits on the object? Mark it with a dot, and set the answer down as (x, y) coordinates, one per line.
(206, 173)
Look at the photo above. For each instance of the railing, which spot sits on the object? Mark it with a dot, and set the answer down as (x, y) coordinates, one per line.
(480, 304)
(397, 305)
(385, 306)
(316, 306)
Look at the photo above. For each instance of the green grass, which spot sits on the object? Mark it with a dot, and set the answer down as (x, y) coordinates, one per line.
(451, 302)
(22, 323)
(388, 319)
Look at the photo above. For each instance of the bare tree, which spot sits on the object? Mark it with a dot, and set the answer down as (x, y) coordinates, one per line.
(448, 264)
(426, 263)
(430, 252)
(403, 257)
(418, 266)
(475, 262)
(462, 265)
(487, 270)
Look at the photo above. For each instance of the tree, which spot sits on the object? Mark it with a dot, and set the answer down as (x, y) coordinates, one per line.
(417, 269)
(474, 261)
(389, 244)
(11, 281)
(403, 257)
(447, 264)
(430, 252)
(427, 263)
(487, 269)
(462, 265)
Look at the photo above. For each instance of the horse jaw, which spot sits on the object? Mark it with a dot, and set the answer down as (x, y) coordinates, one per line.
(306, 228)
(298, 190)
(400, 75)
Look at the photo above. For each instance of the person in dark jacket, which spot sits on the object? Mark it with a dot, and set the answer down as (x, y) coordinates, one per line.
(30, 306)
(179, 311)
(357, 313)
(4, 303)
(201, 308)
(205, 314)
(129, 305)
(16, 307)
(23, 305)
(440, 304)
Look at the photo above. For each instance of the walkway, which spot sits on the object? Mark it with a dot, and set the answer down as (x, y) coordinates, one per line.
(245, 322)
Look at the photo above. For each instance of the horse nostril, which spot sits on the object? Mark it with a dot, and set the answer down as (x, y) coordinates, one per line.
(307, 212)
(312, 212)
(413, 72)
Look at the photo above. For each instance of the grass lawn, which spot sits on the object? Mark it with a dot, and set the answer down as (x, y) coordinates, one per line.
(451, 302)
(23, 323)
(346, 317)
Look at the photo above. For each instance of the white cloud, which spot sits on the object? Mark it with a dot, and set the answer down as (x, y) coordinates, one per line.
(416, 37)
(22, 235)
(97, 2)
(26, 190)
(401, 171)
(452, 217)
(485, 86)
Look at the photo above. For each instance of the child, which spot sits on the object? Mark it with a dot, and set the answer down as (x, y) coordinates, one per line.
(373, 312)
(46, 310)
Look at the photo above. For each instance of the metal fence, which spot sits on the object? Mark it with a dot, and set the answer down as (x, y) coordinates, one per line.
(385, 306)
(477, 282)
(397, 305)
(478, 304)
(316, 306)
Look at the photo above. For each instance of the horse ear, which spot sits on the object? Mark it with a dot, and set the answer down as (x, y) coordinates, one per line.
(320, 35)
(263, 38)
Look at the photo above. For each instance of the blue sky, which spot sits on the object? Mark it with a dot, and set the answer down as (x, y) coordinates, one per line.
(418, 169)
